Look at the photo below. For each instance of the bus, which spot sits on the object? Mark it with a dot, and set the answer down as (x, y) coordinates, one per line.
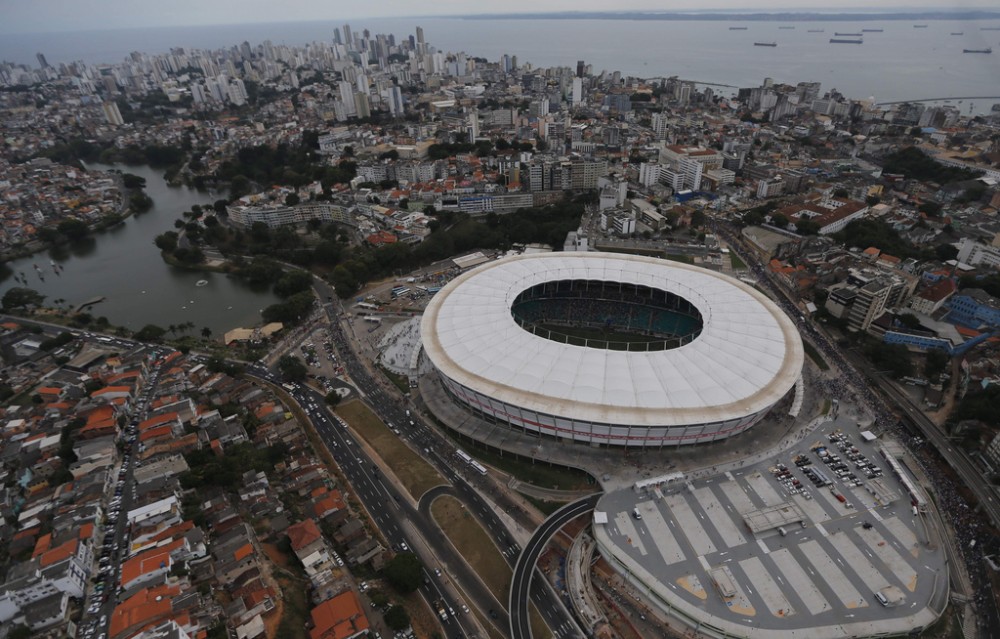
(464, 456)
(479, 468)
(367, 306)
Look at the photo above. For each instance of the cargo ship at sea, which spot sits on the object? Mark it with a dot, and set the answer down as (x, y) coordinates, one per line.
(847, 35)
(872, 30)
(958, 33)
(737, 28)
(989, 50)
(815, 30)
(846, 41)
(765, 44)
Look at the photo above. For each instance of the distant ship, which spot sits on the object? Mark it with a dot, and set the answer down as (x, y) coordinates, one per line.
(765, 44)
(958, 33)
(872, 30)
(846, 41)
(815, 30)
(851, 35)
(920, 26)
(786, 27)
(988, 50)
(737, 28)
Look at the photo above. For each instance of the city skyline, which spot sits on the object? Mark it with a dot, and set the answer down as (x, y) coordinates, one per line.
(60, 15)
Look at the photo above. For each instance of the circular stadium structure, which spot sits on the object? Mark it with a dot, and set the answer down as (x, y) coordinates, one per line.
(611, 349)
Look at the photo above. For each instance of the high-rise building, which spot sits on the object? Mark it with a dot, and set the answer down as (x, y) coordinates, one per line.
(580, 68)
(42, 62)
(362, 105)
(420, 39)
(577, 91)
(473, 125)
(336, 36)
(395, 100)
(661, 122)
(348, 39)
(113, 114)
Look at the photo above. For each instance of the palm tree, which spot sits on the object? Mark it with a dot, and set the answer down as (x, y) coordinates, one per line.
(172, 328)
(206, 332)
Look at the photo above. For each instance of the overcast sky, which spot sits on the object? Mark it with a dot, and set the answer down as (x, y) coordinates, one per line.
(20, 16)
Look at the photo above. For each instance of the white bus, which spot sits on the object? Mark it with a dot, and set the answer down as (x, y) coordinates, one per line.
(479, 468)
(464, 456)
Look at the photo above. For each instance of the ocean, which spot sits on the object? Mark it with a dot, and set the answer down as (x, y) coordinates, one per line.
(899, 63)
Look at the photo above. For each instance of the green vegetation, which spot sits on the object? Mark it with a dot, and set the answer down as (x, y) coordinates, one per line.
(208, 469)
(61, 339)
(283, 164)
(404, 572)
(292, 310)
(544, 506)
(473, 544)
(454, 233)
(22, 298)
(541, 474)
(869, 232)
(397, 618)
(150, 333)
(914, 164)
(983, 406)
(937, 363)
(332, 398)
(736, 262)
(683, 259)
(416, 475)
(989, 283)
(292, 369)
(891, 358)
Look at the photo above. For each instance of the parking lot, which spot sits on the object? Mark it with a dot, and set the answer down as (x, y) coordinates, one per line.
(824, 537)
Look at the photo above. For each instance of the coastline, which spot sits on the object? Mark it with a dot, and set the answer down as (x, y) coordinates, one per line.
(124, 212)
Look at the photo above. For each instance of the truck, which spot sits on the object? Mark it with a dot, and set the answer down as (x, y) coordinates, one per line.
(441, 610)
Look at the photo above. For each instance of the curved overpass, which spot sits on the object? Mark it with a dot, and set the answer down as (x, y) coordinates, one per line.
(519, 605)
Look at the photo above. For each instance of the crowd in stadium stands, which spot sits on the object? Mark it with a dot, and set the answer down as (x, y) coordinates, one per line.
(610, 316)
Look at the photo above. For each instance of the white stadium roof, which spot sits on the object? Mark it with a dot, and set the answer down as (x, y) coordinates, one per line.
(749, 353)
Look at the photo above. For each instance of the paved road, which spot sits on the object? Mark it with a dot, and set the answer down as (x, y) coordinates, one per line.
(390, 509)
(524, 570)
(383, 399)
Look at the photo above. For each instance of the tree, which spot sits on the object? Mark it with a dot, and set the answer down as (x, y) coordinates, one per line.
(292, 369)
(150, 333)
(332, 398)
(945, 252)
(166, 241)
(404, 572)
(396, 618)
(20, 297)
(909, 320)
(131, 181)
(73, 229)
(293, 282)
(20, 632)
(291, 199)
(206, 332)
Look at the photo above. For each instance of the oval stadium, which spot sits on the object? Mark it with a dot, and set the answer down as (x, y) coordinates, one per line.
(611, 349)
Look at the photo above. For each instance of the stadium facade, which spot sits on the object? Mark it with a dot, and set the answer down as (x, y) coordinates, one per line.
(611, 349)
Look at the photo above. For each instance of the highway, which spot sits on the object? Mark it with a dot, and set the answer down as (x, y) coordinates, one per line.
(524, 570)
(440, 453)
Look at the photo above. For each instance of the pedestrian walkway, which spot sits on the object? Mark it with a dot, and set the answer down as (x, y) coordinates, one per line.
(619, 467)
